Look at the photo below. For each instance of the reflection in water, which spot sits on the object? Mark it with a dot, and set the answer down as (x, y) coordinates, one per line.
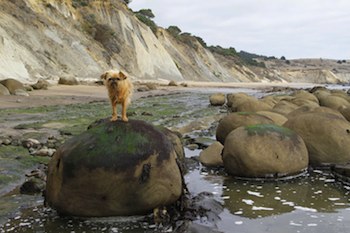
(314, 203)
(310, 204)
(315, 193)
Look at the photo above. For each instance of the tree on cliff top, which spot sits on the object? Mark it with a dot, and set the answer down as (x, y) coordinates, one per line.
(126, 1)
(146, 16)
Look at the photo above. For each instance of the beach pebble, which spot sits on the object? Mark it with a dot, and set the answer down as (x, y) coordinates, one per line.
(44, 152)
(30, 142)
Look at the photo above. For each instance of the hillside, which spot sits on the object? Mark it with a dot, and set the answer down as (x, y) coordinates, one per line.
(55, 38)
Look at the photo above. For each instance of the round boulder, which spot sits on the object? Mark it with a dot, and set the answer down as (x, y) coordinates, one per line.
(304, 95)
(284, 107)
(345, 112)
(211, 156)
(237, 119)
(334, 102)
(12, 85)
(3, 90)
(114, 168)
(251, 105)
(326, 135)
(68, 81)
(41, 84)
(264, 151)
(217, 99)
(277, 118)
(236, 98)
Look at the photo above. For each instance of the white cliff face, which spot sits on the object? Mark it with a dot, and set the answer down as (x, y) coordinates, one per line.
(46, 39)
(11, 60)
(153, 61)
(54, 38)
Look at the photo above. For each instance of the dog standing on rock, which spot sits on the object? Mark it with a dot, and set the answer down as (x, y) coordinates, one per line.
(119, 89)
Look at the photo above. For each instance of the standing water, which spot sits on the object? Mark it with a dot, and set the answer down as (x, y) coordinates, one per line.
(315, 202)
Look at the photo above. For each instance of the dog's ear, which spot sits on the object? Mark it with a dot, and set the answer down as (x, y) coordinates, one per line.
(104, 75)
(122, 75)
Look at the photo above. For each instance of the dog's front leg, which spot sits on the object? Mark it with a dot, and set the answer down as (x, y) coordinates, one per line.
(114, 112)
(124, 106)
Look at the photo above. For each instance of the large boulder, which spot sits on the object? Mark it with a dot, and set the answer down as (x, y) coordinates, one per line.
(114, 168)
(68, 80)
(264, 151)
(41, 84)
(284, 107)
(237, 119)
(334, 102)
(308, 109)
(12, 85)
(217, 99)
(3, 90)
(326, 135)
(269, 100)
(304, 95)
(251, 105)
(236, 98)
(345, 112)
(241, 102)
(277, 118)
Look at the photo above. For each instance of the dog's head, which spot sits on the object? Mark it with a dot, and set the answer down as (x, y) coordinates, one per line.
(111, 78)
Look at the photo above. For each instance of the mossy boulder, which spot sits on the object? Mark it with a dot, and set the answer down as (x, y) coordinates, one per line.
(327, 136)
(237, 119)
(264, 151)
(114, 168)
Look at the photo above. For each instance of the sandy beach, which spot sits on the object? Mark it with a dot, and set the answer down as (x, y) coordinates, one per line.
(64, 94)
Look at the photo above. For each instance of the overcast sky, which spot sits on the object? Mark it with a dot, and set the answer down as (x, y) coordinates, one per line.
(290, 28)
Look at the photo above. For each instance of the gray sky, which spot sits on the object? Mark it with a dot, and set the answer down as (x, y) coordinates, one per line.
(290, 28)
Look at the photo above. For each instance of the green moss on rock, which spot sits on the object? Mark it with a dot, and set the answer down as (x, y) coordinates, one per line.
(115, 145)
(263, 129)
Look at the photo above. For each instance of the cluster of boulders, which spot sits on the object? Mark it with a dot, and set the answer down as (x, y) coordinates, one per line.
(35, 181)
(281, 135)
(34, 146)
(14, 87)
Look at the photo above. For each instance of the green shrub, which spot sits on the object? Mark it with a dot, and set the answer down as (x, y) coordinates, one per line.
(146, 16)
(150, 23)
(80, 3)
(174, 31)
(224, 51)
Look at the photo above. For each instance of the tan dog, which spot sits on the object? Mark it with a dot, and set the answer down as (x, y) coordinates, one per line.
(119, 89)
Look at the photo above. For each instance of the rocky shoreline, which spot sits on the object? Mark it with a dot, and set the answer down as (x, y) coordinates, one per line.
(45, 144)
